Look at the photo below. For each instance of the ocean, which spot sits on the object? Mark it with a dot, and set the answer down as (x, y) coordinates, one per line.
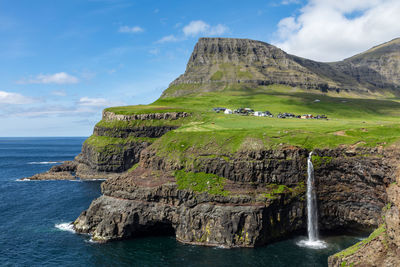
(34, 217)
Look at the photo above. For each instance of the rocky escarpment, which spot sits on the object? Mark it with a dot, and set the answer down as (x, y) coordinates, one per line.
(111, 116)
(265, 200)
(351, 181)
(382, 247)
(137, 204)
(217, 63)
(378, 66)
(114, 147)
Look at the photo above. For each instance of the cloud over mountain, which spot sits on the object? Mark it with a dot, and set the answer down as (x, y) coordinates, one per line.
(331, 30)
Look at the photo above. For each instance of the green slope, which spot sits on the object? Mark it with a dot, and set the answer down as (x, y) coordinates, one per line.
(365, 122)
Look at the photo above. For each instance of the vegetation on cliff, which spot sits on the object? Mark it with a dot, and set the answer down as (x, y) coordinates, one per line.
(353, 249)
(201, 182)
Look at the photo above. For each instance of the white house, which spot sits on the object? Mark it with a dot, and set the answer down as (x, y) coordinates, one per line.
(228, 111)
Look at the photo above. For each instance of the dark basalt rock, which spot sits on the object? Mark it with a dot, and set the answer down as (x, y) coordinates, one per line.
(195, 219)
(350, 188)
(382, 249)
(141, 131)
(110, 116)
(116, 159)
(94, 163)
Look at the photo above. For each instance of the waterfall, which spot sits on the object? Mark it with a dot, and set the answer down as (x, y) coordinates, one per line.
(312, 214)
(312, 211)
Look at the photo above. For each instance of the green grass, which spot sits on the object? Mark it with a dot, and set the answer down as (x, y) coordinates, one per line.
(353, 249)
(133, 167)
(100, 143)
(366, 122)
(143, 109)
(201, 182)
(319, 161)
(274, 190)
(217, 76)
(139, 123)
(244, 75)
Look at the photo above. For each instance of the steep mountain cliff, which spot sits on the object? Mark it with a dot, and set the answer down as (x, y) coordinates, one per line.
(218, 62)
(378, 66)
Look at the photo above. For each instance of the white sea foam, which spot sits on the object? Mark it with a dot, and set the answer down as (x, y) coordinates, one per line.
(69, 227)
(23, 180)
(91, 241)
(43, 162)
(318, 244)
(91, 180)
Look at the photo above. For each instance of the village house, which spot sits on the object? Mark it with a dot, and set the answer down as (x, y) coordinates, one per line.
(307, 116)
(228, 111)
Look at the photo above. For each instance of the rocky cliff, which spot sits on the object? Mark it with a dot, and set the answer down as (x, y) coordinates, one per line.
(378, 66)
(382, 247)
(220, 62)
(115, 146)
(262, 198)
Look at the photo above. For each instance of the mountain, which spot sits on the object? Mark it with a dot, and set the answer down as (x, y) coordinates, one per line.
(220, 62)
(378, 66)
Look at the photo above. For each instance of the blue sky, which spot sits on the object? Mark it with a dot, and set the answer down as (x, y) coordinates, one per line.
(64, 61)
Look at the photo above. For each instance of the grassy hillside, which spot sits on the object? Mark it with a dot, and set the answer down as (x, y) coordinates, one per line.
(365, 122)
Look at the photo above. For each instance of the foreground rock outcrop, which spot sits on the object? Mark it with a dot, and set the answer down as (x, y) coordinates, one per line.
(147, 202)
(148, 199)
(382, 247)
(113, 148)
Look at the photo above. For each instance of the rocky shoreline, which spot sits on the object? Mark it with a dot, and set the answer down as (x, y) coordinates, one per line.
(350, 195)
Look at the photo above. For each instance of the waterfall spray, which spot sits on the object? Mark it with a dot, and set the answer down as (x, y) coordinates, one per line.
(312, 210)
(312, 215)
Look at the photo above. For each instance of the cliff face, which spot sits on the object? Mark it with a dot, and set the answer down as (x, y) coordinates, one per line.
(219, 62)
(378, 66)
(114, 147)
(350, 195)
(382, 247)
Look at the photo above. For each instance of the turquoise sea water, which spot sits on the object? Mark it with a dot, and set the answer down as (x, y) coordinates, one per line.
(32, 213)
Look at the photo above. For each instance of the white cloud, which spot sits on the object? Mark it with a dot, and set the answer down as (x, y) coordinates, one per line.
(127, 29)
(330, 30)
(85, 106)
(14, 98)
(57, 78)
(97, 102)
(198, 27)
(168, 39)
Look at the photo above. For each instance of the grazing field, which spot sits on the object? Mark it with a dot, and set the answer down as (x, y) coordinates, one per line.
(351, 120)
